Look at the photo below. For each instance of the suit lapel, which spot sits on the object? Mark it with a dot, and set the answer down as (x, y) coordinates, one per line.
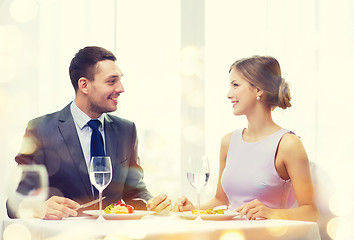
(68, 130)
(111, 139)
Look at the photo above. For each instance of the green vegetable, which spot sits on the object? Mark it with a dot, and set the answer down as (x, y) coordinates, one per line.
(108, 208)
(219, 211)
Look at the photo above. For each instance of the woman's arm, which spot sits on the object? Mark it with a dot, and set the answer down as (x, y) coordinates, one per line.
(220, 197)
(293, 158)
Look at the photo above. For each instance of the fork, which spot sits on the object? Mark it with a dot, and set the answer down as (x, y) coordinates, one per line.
(222, 207)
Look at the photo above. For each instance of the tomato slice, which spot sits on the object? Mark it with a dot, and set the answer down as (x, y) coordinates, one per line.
(120, 203)
(130, 208)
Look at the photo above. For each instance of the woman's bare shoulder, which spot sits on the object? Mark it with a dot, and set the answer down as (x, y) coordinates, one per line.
(225, 141)
(290, 142)
(291, 148)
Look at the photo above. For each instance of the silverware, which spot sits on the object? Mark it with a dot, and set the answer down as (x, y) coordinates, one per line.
(90, 203)
(222, 207)
(163, 212)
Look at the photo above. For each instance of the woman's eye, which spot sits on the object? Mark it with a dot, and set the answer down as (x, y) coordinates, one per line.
(235, 84)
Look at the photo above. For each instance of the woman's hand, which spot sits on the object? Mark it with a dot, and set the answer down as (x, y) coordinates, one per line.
(183, 204)
(255, 209)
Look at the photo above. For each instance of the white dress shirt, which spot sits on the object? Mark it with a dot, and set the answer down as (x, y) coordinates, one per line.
(84, 131)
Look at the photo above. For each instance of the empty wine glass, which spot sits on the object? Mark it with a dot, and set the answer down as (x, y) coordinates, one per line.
(100, 172)
(30, 191)
(198, 175)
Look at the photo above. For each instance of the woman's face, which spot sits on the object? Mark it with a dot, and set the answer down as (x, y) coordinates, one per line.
(242, 94)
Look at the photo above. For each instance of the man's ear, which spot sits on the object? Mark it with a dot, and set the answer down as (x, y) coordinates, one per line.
(83, 85)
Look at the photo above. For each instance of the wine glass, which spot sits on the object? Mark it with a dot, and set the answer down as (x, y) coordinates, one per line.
(100, 172)
(198, 175)
(31, 191)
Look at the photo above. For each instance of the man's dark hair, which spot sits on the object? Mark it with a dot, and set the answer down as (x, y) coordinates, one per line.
(84, 62)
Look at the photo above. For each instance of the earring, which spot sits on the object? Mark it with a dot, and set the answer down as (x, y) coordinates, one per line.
(258, 98)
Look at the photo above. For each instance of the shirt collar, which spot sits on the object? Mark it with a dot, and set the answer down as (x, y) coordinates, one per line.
(81, 118)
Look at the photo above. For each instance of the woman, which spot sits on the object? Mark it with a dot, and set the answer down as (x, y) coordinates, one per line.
(262, 166)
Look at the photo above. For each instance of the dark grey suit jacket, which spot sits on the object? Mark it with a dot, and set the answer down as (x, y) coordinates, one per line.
(58, 149)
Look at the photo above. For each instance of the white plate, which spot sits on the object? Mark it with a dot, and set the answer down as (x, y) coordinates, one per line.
(226, 216)
(119, 216)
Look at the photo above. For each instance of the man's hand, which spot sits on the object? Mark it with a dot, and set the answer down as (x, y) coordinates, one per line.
(160, 204)
(56, 208)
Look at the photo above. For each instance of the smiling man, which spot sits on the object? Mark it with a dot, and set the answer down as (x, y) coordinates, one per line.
(62, 141)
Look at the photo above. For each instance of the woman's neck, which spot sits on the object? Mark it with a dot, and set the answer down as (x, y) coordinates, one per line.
(260, 125)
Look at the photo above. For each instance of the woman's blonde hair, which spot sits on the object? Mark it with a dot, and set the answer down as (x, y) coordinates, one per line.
(263, 72)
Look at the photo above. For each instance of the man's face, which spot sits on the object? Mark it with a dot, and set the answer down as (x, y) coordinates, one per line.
(104, 90)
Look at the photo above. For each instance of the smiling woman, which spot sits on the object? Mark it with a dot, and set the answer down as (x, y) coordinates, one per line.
(305, 36)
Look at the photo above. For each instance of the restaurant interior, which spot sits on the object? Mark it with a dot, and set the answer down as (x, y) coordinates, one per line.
(175, 56)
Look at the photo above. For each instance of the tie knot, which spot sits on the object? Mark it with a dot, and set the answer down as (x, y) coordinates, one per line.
(94, 124)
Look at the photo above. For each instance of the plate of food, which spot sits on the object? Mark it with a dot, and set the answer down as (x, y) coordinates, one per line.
(119, 211)
(209, 214)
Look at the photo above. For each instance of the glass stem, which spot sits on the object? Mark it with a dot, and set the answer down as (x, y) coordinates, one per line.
(198, 202)
(100, 201)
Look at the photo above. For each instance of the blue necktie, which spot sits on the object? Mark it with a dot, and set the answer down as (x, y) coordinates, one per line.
(97, 146)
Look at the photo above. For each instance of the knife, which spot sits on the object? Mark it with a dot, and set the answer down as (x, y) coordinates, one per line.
(90, 203)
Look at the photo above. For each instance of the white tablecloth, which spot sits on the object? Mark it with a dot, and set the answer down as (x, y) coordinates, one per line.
(158, 228)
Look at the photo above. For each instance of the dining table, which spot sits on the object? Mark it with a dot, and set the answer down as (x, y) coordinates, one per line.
(156, 227)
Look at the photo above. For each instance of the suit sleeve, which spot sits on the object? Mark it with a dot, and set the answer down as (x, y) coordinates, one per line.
(135, 185)
(31, 151)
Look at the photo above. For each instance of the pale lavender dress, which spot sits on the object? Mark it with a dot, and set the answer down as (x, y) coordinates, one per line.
(250, 172)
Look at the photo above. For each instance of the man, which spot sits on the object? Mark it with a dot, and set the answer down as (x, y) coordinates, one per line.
(62, 141)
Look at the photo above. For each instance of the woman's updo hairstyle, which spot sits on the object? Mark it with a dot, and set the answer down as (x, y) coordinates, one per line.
(263, 72)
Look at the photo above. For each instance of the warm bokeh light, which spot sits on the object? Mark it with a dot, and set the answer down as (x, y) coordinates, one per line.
(28, 146)
(24, 10)
(343, 227)
(332, 227)
(16, 232)
(341, 204)
(277, 231)
(232, 235)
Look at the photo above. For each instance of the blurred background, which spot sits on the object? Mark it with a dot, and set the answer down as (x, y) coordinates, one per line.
(175, 56)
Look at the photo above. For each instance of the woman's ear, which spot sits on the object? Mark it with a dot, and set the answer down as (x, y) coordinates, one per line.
(259, 92)
(83, 85)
